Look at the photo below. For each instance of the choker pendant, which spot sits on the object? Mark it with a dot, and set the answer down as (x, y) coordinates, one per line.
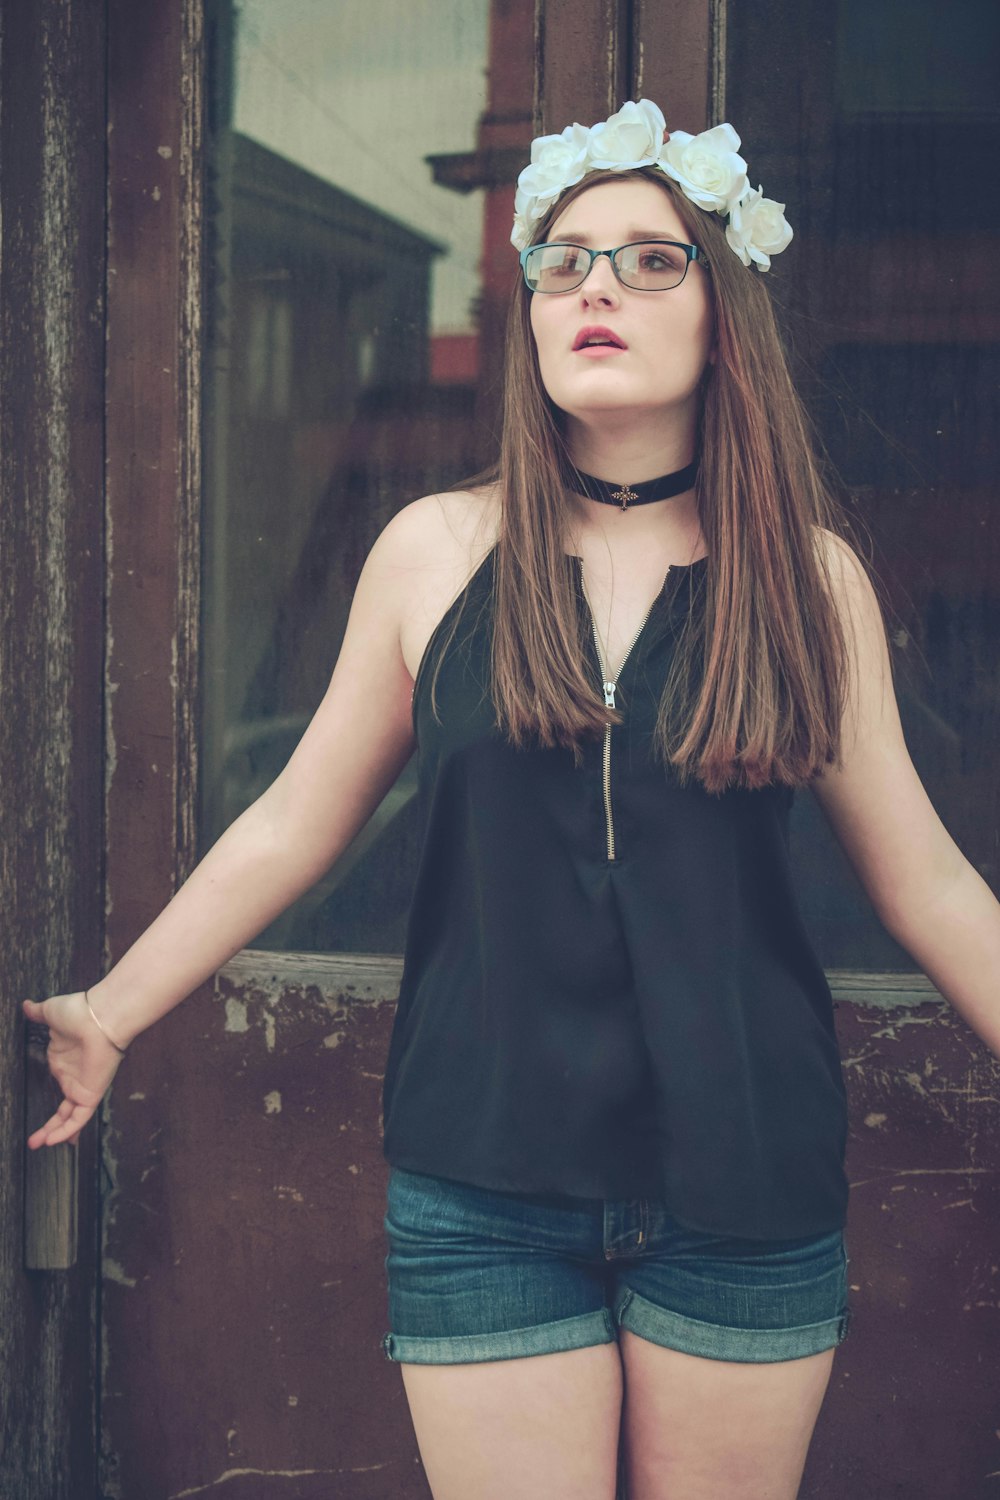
(643, 493)
(624, 495)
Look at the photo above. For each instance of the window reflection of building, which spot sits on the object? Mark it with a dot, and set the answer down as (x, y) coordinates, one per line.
(331, 400)
(890, 305)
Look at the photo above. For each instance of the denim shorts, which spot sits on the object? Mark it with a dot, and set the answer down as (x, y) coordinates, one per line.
(479, 1274)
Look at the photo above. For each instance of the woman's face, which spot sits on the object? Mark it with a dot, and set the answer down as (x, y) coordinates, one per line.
(666, 337)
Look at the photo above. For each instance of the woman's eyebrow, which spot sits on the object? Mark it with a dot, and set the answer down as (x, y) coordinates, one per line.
(572, 237)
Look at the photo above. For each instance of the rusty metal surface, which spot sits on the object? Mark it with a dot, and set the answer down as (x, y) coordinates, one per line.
(51, 574)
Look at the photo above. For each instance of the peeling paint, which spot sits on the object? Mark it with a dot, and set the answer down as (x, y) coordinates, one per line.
(200, 1489)
(272, 1103)
(926, 1172)
(236, 1015)
(908, 1019)
(873, 1120)
(112, 1271)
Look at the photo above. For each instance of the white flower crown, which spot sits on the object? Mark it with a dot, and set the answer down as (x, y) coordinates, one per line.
(706, 167)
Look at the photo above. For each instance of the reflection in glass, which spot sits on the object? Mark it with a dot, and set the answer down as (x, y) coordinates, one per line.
(891, 304)
(354, 155)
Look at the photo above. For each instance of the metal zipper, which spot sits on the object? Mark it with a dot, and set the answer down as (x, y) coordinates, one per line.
(609, 687)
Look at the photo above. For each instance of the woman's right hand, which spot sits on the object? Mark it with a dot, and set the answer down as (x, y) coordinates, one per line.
(81, 1060)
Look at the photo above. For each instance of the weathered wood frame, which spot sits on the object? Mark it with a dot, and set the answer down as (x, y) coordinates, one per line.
(52, 264)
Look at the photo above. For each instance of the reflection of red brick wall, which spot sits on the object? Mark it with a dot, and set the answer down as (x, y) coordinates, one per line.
(503, 139)
(454, 359)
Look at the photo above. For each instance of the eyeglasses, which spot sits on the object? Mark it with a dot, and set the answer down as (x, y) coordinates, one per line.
(644, 266)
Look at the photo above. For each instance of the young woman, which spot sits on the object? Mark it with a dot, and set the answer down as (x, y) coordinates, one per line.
(614, 1111)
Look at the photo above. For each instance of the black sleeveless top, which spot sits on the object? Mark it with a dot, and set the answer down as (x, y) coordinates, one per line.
(607, 989)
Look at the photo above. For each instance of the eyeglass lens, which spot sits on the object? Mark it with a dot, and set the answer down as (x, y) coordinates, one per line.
(650, 265)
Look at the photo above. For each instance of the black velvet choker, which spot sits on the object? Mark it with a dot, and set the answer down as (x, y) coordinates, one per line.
(643, 493)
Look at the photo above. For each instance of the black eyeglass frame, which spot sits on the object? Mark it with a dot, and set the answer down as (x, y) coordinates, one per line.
(692, 252)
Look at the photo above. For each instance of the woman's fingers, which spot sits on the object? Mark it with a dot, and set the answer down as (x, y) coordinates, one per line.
(65, 1125)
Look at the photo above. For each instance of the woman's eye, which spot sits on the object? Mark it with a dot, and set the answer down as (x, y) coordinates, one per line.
(656, 260)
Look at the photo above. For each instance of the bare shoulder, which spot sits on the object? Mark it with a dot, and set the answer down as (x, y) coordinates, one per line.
(426, 555)
(440, 529)
(842, 564)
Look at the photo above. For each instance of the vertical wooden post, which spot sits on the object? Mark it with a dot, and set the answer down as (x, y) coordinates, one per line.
(678, 60)
(52, 143)
(584, 57)
(153, 468)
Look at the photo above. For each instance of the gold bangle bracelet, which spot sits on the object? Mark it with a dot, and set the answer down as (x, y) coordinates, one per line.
(122, 1050)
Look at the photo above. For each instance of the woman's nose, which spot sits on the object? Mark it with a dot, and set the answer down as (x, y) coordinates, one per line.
(600, 285)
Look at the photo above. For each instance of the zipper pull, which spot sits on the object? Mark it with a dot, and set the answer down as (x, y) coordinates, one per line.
(609, 695)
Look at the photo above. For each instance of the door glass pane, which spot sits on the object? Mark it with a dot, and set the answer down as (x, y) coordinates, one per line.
(876, 122)
(355, 153)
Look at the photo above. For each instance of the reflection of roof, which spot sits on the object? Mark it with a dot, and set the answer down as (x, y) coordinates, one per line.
(278, 183)
(463, 171)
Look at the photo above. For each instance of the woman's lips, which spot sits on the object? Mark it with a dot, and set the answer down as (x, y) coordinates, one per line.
(598, 351)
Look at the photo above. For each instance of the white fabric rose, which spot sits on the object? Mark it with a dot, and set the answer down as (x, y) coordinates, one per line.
(707, 166)
(757, 228)
(557, 162)
(630, 138)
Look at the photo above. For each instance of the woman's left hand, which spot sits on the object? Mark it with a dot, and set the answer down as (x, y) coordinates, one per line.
(81, 1060)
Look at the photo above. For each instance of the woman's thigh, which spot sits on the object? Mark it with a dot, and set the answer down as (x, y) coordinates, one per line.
(541, 1427)
(696, 1428)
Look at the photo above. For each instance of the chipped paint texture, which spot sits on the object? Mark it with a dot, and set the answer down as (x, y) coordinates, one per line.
(236, 1015)
(923, 1160)
(201, 1489)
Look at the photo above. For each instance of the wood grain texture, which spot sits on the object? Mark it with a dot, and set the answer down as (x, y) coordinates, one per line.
(155, 189)
(51, 582)
(583, 61)
(51, 1220)
(678, 60)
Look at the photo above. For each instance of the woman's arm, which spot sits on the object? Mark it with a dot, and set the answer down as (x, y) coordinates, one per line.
(925, 892)
(350, 755)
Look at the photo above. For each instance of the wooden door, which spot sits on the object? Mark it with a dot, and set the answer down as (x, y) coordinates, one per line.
(51, 583)
(286, 368)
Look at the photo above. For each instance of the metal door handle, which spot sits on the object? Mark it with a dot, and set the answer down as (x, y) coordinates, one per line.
(50, 1173)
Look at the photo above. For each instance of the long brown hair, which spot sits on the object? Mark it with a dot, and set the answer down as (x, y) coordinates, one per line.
(757, 682)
